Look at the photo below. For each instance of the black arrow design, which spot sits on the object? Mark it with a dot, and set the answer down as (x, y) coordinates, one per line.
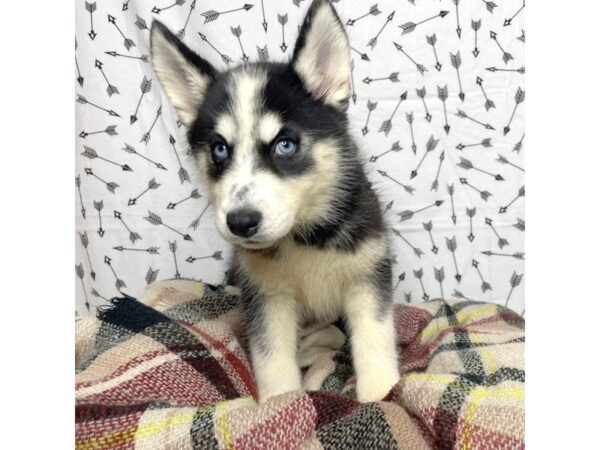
(488, 103)
(196, 221)
(85, 242)
(518, 255)
(521, 193)
(421, 93)
(91, 7)
(145, 87)
(509, 20)
(386, 125)
(416, 250)
(429, 147)
(432, 40)
(520, 70)
(265, 24)
(458, 28)
(490, 5)
(471, 213)
(263, 53)
(217, 256)
(155, 219)
(501, 241)
(152, 184)
(352, 87)
(157, 10)
(484, 194)
(79, 77)
(476, 25)
(181, 32)
(443, 96)
(146, 136)
(456, 62)
(459, 294)
(410, 119)
(408, 297)
(173, 248)
(401, 278)
(129, 149)
(373, 11)
(194, 194)
(393, 77)
(78, 185)
(409, 27)
(388, 207)
(450, 189)
(522, 37)
(394, 148)
(468, 165)
(111, 130)
(151, 275)
(408, 214)
(371, 106)
(226, 59)
(133, 236)
(363, 56)
(406, 187)
(141, 23)
(128, 43)
(484, 143)
(519, 145)
(143, 58)
(125, 6)
(501, 159)
(111, 186)
(463, 115)
(506, 57)
(428, 226)
(212, 15)
(515, 280)
(435, 184)
(84, 101)
(151, 250)
(485, 286)
(420, 67)
(99, 206)
(519, 98)
(439, 276)
(419, 276)
(237, 32)
(118, 282)
(520, 225)
(282, 19)
(80, 274)
(182, 172)
(110, 89)
(98, 295)
(373, 41)
(90, 153)
(451, 244)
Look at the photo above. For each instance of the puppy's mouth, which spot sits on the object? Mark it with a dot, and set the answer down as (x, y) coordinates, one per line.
(251, 244)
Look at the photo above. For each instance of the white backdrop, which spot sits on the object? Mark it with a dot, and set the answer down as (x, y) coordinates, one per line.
(448, 76)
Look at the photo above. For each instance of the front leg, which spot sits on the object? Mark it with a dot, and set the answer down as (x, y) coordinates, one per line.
(373, 342)
(271, 326)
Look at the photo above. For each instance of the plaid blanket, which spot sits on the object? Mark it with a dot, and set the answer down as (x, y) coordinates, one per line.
(171, 372)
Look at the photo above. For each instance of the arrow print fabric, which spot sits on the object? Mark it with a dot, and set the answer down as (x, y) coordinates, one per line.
(436, 106)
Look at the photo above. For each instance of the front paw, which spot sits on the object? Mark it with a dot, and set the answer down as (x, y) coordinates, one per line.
(266, 392)
(375, 386)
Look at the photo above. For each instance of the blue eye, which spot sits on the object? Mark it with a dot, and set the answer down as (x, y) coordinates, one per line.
(285, 147)
(220, 151)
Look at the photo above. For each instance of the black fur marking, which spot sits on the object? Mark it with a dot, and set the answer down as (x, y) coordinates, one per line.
(382, 282)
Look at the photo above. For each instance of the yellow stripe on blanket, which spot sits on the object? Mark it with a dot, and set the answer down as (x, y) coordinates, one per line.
(222, 420)
(462, 317)
(477, 395)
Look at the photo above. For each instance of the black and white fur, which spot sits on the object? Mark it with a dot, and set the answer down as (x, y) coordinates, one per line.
(317, 248)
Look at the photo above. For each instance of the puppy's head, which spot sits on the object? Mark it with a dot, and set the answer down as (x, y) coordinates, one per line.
(268, 138)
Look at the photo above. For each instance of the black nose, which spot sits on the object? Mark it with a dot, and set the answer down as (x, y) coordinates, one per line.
(243, 222)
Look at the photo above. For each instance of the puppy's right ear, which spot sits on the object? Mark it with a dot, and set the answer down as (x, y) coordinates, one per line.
(183, 74)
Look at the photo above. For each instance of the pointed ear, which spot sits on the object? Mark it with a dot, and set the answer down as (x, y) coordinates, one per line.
(183, 74)
(322, 55)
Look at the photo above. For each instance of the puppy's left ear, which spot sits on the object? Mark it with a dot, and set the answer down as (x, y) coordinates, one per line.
(322, 55)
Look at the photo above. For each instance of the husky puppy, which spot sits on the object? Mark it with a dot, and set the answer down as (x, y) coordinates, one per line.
(291, 195)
